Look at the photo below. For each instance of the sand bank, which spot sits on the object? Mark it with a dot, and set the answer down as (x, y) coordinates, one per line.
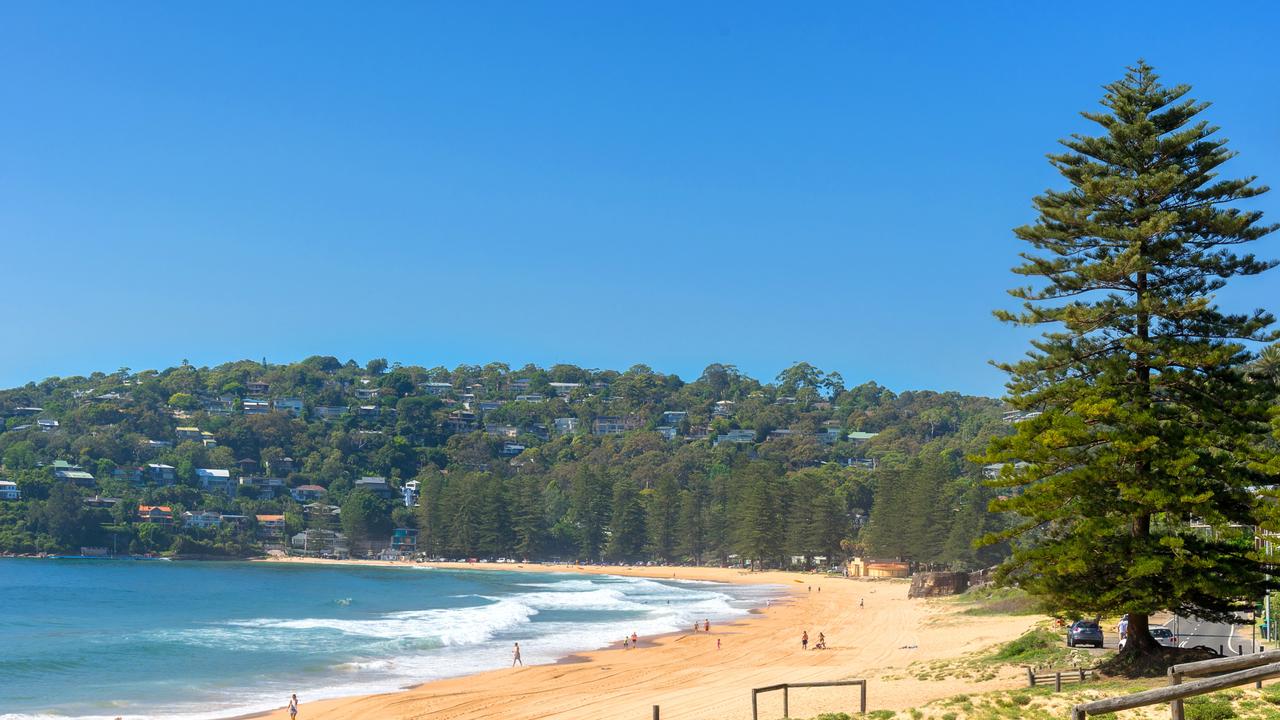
(691, 679)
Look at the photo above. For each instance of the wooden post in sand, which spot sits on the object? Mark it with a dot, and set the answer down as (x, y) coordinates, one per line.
(655, 712)
(785, 704)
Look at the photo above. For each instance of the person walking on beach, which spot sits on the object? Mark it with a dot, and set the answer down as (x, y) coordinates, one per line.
(706, 626)
(717, 643)
(293, 706)
(804, 640)
(515, 657)
(634, 639)
(626, 643)
(861, 602)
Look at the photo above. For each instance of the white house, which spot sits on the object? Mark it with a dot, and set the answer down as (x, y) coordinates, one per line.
(214, 480)
(410, 491)
(202, 519)
(9, 490)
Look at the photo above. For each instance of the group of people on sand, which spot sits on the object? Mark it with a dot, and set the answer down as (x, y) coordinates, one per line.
(820, 645)
(706, 625)
(630, 642)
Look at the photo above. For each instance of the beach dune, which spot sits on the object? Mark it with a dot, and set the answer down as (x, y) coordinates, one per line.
(690, 678)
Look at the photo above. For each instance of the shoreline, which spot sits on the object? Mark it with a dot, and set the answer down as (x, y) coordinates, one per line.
(686, 674)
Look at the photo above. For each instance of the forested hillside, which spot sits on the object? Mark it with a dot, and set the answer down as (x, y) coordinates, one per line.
(487, 461)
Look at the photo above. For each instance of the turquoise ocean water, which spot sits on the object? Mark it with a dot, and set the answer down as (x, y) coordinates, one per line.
(187, 640)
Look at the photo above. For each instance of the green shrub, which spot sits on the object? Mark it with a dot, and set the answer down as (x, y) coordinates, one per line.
(1208, 708)
(949, 716)
(1021, 699)
(1034, 646)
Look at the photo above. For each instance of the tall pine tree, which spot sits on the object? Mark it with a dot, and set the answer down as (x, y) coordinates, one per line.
(1148, 420)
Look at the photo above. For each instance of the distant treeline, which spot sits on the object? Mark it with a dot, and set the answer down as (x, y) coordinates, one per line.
(531, 463)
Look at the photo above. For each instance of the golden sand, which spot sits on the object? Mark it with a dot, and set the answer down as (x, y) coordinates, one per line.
(689, 678)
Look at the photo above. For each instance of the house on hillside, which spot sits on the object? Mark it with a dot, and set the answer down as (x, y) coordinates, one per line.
(376, 485)
(723, 408)
(511, 449)
(502, 431)
(564, 389)
(566, 426)
(157, 514)
(187, 433)
(256, 387)
(858, 436)
(367, 393)
(530, 398)
(329, 412)
(438, 389)
(214, 480)
(307, 493)
(9, 490)
(129, 474)
(270, 526)
(410, 493)
(262, 487)
(68, 472)
(674, 417)
(161, 474)
(290, 405)
(47, 424)
(744, 435)
(202, 519)
(255, 406)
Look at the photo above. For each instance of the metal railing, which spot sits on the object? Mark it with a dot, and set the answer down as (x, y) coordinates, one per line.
(1253, 668)
(786, 694)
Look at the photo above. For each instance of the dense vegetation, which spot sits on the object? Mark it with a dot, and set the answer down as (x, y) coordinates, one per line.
(501, 471)
(1152, 413)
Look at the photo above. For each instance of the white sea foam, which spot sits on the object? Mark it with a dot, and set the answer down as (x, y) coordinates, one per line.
(399, 649)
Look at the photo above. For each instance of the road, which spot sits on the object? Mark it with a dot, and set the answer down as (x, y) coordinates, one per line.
(1194, 631)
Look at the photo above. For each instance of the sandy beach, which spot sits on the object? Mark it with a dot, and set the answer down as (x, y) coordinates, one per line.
(690, 678)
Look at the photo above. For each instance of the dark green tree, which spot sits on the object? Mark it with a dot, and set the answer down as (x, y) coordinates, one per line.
(1148, 420)
(626, 528)
(663, 517)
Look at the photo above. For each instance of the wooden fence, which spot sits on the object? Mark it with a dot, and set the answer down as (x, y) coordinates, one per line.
(1252, 668)
(786, 694)
(1058, 677)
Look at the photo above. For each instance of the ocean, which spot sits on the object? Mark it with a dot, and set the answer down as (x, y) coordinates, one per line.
(203, 640)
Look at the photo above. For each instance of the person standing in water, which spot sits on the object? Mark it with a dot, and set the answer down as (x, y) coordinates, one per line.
(515, 657)
(293, 706)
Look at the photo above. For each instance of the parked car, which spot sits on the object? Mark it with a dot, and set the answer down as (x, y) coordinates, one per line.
(1164, 636)
(1084, 632)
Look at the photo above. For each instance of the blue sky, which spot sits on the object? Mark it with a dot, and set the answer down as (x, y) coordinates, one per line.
(605, 184)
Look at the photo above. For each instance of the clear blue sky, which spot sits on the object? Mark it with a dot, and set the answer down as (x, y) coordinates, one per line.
(598, 183)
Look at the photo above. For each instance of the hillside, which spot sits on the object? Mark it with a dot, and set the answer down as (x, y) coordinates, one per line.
(487, 461)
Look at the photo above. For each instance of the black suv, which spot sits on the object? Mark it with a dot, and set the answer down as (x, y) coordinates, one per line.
(1084, 632)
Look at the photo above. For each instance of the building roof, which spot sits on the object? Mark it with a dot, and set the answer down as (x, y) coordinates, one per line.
(270, 518)
(149, 508)
(213, 472)
(312, 488)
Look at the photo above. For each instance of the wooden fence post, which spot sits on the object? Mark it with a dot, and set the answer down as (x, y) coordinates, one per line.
(1057, 681)
(655, 712)
(755, 715)
(863, 701)
(1175, 707)
(1031, 677)
(785, 704)
(1081, 674)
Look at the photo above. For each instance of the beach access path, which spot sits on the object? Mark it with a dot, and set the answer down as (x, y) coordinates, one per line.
(691, 679)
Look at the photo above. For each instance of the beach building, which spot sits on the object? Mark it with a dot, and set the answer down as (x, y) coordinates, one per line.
(214, 480)
(858, 567)
(404, 540)
(9, 490)
(158, 514)
(307, 493)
